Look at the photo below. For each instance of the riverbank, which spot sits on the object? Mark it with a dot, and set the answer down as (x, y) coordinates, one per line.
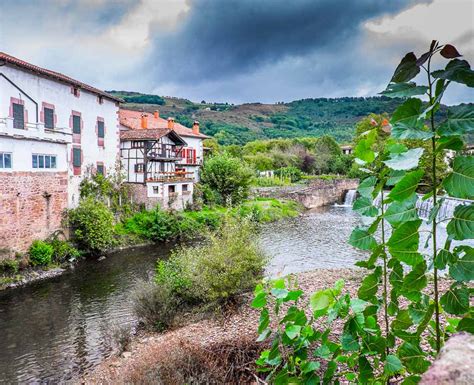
(205, 345)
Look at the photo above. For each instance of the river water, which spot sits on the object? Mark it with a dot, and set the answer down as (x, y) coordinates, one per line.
(52, 331)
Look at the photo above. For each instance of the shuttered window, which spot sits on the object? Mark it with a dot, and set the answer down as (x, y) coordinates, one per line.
(100, 169)
(100, 129)
(76, 157)
(18, 116)
(48, 118)
(76, 124)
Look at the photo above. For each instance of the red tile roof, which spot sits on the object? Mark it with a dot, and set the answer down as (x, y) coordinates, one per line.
(155, 133)
(5, 58)
(133, 120)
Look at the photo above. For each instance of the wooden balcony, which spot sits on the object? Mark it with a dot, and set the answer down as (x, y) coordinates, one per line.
(173, 176)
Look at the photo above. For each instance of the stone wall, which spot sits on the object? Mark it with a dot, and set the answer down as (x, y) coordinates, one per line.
(140, 195)
(317, 193)
(31, 207)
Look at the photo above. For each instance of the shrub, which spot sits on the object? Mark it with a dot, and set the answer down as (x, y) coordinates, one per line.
(63, 251)
(155, 306)
(228, 177)
(9, 266)
(41, 253)
(92, 223)
(293, 173)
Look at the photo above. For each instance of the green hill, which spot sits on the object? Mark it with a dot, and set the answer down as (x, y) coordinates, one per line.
(240, 124)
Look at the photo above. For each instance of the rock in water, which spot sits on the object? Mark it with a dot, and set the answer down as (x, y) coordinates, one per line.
(455, 364)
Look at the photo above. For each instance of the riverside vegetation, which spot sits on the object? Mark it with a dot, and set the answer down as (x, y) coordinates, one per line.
(397, 324)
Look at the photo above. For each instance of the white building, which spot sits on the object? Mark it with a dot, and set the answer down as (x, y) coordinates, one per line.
(53, 129)
(160, 158)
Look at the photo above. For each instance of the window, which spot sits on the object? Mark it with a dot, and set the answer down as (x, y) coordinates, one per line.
(76, 124)
(48, 118)
(136, 144)
(76, 157)
(5, 160)
(100, 99)
(18, 116)
(44, 161)
(156, 190)
(171, 189)
(76, 92)
(185, 187)
(100, 129)
(140, 168)
(100, 169)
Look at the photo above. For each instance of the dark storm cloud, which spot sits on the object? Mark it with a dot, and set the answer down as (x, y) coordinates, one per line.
(223, 38)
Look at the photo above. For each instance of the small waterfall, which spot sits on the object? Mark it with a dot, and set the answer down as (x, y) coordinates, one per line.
(446, 210)
(349, 198)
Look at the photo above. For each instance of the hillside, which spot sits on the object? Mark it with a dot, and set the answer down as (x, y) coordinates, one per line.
(239, 124)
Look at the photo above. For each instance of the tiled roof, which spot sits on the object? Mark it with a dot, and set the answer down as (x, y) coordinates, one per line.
(54, 75)
(155, 133)
(133, 120)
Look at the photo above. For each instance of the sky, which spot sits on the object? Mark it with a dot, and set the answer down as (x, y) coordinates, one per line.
(235, 51)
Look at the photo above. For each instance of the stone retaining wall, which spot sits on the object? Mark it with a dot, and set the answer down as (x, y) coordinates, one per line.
(317, 193)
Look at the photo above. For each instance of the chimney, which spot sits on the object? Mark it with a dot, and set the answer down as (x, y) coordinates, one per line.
(196, 127)
(156, 114)
(144, 121)
(171, 123)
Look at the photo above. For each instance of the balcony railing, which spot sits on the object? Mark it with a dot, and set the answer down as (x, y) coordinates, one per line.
(172, 176)
(35, 131)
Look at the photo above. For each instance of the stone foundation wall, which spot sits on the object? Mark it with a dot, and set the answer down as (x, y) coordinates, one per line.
(139, 195)
(31, 207)
(316, 194)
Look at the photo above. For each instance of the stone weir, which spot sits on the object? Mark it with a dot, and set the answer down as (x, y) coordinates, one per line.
(317, 193)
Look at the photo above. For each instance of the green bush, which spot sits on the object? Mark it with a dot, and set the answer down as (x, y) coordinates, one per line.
(9, 266)
(228, 177)
(41, 253)
(293, 173)
(63, 251)
(92, 225)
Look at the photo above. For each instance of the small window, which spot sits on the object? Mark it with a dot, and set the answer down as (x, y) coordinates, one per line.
(100, 129)
(5, 160)
(140, 168)
(185, 187)
(100, 169)
(76, 92)
(48, 118)
(76, 157)
(76, 124)
(100, 99)
(138, 144)
(43, 161)
(171, 189)
(18, 116)
(156, 189)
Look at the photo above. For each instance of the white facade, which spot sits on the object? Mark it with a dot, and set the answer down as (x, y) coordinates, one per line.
(37, 92)
(196, 144)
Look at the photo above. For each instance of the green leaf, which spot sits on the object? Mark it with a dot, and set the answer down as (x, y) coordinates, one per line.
(411, 380)
(443, 257)
(403, 320)
(264, 335)
(416, 279)
(321, 300)
(457, 71)
(358, 305)
(363, 150)
(463, 269)
(369, 286)
(413, 358)
(455, 300)
(450, 143)
(364, 206)
(366, 187)
(460, 183)
(406, 122)
(349, 342)
(279, 293)
(460, 121)
(395, 176)
(404, 211)
(365, 370)
(292, 331)
(264, 320)
(403, 90)
(462, 225)
(362, 239)
(310, 366)
(392, 365)
(405, 160)
(466, 325)
(407, 186)
(323, 352)
(406, 70)
(259, 301)
(404, 241)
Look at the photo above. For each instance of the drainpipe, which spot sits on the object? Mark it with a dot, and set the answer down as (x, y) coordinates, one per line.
(19, 89)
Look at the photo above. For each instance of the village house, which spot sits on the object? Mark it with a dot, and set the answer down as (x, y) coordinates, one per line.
(54, 131)
(160, 158)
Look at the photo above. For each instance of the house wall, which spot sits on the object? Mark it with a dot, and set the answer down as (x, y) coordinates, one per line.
(196, 143)
(31, 206)
(59, 95)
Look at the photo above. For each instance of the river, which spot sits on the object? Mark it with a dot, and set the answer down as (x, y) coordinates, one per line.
(54, 330)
